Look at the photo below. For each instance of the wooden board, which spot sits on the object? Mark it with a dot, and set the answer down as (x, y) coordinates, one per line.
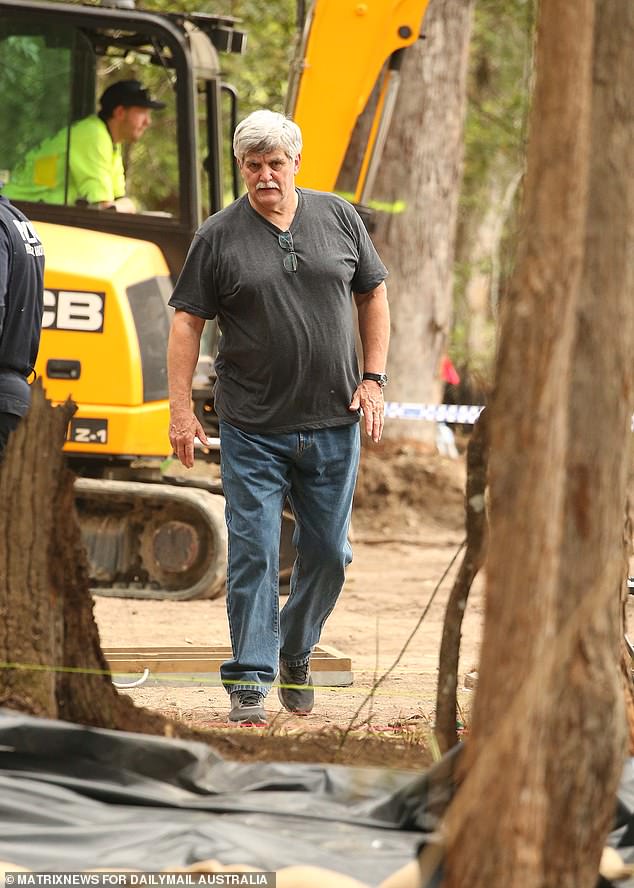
(190, 664)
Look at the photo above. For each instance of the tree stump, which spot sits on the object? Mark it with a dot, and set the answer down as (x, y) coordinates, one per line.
(52, 663)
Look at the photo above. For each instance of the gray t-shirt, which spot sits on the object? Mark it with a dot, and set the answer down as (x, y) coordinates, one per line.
(286, 358)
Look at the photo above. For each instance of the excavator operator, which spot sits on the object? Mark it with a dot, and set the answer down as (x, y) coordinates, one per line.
(94, 172)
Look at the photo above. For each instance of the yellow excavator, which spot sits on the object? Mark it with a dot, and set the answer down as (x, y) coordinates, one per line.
(109, 274)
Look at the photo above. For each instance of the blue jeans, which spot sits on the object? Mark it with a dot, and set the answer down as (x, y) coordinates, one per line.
(317, 471)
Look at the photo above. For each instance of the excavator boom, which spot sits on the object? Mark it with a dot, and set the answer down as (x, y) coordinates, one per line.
(345, 46)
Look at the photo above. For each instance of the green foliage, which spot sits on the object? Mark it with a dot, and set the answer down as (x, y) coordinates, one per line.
(498, 89)
(35, 86)
(495, 137)
(260, 76)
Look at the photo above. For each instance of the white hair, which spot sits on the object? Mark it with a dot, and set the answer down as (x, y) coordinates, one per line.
(265, 131)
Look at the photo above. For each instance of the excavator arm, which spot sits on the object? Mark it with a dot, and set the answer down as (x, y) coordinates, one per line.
(346, 47)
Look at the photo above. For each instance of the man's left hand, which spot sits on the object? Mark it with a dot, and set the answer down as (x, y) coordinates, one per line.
(369, 397)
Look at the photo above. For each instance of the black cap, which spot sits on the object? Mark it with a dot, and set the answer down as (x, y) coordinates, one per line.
(130, 94)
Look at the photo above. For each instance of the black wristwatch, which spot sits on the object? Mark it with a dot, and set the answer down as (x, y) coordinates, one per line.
(381, 378)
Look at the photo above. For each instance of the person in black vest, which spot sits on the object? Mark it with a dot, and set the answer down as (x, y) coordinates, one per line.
(21, 307)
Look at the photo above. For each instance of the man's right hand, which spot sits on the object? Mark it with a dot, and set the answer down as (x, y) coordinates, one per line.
(124, 205)
(184, 427)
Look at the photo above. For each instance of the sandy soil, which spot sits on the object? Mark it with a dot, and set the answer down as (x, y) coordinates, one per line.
(407, 529)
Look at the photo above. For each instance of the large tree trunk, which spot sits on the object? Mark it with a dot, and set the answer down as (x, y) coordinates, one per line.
(588, 718)
(548, 711)
(418, 184)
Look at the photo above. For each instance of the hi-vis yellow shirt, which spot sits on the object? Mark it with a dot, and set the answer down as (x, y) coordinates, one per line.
(95, 169)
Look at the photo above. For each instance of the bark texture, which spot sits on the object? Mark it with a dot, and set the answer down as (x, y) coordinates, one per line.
(31, 625)
(587, 686)
(548, 711)
(52, 663)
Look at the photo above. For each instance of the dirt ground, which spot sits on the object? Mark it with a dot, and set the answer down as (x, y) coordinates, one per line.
(407, 530)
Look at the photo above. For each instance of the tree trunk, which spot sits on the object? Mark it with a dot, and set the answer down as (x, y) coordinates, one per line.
(589, 724)
(478, 247)
(548, 710)
(476, 527)
(481, 240)
(49, 644)
(419, 179)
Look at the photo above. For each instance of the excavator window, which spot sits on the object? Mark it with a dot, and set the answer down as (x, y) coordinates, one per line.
(52, 76)
(36, 72)
(56, 60)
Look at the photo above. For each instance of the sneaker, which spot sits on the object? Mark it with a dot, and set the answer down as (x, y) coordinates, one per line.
(247, 708)
(299, 699)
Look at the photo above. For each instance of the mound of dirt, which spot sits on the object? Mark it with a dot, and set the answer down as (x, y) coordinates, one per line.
(405, 748)
(404, 484)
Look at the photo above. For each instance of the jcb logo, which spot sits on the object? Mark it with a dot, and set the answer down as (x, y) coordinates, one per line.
(73, 310)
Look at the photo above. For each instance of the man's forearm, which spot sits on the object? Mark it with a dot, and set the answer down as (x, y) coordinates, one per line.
(374, 328)
(182, 356)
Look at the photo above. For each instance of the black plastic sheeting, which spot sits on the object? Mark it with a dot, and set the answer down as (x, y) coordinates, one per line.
(74, 798)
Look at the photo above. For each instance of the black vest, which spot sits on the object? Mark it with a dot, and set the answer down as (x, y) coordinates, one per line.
(21, 303)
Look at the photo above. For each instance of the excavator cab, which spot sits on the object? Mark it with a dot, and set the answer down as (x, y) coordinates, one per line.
(56, 59)
(109, 274)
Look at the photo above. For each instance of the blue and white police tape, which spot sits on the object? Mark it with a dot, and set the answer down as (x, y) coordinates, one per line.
(462, 414)
(465, 414)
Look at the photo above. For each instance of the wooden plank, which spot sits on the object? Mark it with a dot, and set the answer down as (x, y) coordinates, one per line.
(323, 653)
(206, 660)
(325, 662)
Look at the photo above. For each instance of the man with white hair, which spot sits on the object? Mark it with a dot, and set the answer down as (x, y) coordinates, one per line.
(280, 269)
